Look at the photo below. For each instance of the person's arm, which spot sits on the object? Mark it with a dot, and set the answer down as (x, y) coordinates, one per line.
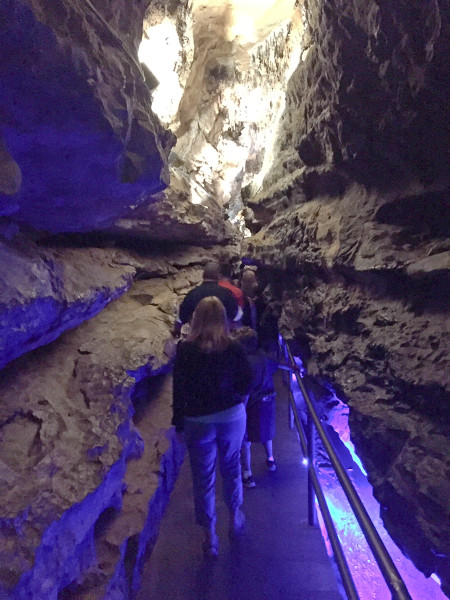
(244, 372)
(285, 366)
(179, 384)
(176, 331)
(186, 308)
(230, 303)
(239, 314)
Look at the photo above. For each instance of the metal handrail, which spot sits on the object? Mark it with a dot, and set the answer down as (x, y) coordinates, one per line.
(389, 571)
(347, 580)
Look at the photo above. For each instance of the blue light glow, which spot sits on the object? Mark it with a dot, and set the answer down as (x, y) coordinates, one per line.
(368, 580)
(351, 449)
(366, 574)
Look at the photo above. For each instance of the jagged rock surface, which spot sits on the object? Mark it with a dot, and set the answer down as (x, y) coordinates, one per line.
(355, 212)
(350, 202)
(76, 114)
(80, 483)
(43, 292)
(46, 290)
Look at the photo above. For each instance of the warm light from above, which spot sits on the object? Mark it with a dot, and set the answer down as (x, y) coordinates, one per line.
(253, 20)
(160, 50)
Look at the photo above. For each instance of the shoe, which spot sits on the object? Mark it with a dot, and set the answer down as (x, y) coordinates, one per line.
(211, 547)
(271, 464)
(237, 524)
(248, 482)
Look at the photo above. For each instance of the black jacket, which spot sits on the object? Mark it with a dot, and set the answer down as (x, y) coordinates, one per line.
(207, 288)
(206, 383)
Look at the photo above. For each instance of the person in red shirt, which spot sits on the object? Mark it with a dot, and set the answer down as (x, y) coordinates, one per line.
(226, 273)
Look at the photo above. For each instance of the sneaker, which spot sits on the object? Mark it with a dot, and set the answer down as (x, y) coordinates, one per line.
(237, 524)
(271, 464)
(248, 482)
(211, 547)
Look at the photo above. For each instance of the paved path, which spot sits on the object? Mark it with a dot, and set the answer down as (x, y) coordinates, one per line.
(280, 557)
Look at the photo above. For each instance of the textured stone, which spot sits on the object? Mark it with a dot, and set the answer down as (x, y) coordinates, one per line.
(361, 271)
(76, 116)
(71, 403)
(44, 292)
(345, 186)
(87, 458)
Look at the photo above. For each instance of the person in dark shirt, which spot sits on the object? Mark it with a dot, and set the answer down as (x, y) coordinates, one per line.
(209, 287)
(211, 377)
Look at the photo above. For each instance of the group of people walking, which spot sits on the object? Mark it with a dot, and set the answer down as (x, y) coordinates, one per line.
(223, 393)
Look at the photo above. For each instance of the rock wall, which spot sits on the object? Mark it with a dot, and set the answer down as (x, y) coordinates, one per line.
(353, 218)
(76, 115)
(88, 459)
(343, 177)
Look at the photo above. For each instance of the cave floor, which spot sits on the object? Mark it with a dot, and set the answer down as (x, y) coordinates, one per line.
(279, 556)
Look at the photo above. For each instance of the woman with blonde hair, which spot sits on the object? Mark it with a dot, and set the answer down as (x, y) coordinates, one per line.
(211, 377)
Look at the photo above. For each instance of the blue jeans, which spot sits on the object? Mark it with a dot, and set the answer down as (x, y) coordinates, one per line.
(206, 441)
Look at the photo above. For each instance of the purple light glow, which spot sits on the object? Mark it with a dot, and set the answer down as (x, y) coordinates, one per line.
(363, 567)
(365, 572)
(351, 448)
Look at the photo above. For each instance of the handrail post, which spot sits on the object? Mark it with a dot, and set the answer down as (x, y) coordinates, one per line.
(311, 441)
(290, 411)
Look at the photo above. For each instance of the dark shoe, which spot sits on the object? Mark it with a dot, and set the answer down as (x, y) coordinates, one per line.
(248, 482)
(237, 524)
(271, 465)
(211, 547)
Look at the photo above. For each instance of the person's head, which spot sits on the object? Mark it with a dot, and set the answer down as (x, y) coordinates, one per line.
(248, 282)
(211, 272)
(247, 337)
(226, 270)
(209, 325)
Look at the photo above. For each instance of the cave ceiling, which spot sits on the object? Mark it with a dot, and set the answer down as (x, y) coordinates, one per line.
(112, 116)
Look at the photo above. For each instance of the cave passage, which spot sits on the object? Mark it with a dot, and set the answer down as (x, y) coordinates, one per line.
(280, 555)
(140, 140)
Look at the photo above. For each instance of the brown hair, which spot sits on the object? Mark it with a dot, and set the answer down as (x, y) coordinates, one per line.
(211, 271)
(249, 282)
(247, 337)
(209, 326)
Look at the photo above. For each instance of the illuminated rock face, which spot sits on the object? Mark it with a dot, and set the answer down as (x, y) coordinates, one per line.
(355, 209)
(76, 510)
(77, 131)
(344, 183)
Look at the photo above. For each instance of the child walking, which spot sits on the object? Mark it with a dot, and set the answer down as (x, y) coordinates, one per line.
(260, 406)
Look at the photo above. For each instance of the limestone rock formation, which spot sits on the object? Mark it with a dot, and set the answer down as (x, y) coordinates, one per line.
(80, 485)
(138, 140)
(355, 209)
(76, 114)
(43, 292)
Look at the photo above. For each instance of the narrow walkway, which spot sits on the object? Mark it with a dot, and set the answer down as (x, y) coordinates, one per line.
(280, 557)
